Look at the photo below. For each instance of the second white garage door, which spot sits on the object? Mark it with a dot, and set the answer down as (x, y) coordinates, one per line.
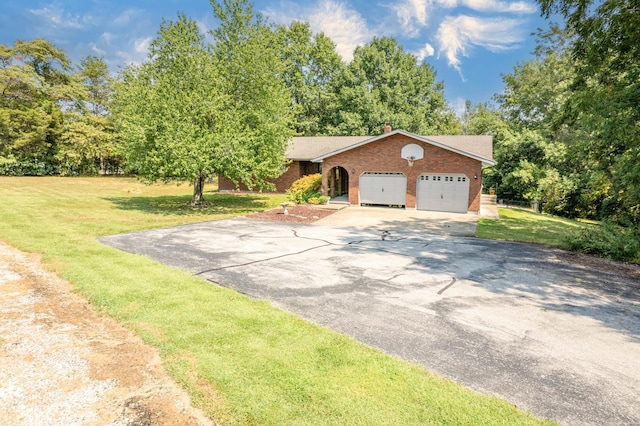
(383, 188)
(443, 192)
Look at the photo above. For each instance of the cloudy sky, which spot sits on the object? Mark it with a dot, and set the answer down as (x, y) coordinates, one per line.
(468, 42)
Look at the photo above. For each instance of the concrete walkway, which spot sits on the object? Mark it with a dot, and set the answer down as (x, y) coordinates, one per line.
(489, 207)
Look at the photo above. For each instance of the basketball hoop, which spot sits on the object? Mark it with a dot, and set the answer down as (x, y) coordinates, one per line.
(412, 153)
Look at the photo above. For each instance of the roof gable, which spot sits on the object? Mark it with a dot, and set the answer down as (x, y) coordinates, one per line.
(318, 148)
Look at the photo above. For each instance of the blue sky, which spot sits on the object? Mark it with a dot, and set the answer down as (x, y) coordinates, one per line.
(468, 42)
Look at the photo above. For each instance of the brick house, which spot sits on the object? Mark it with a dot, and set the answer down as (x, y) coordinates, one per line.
(439, 173)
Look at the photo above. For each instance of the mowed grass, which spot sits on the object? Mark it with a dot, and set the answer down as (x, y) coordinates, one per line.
(529, 227)
(241, 360)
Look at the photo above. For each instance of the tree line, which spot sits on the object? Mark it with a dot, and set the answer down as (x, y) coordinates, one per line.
(54, 119)
(59, 119)
(565, 127)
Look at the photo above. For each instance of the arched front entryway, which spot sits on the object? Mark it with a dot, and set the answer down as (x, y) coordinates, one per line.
(338, 183)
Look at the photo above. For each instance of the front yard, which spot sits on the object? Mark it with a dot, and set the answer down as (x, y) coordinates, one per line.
(242, 361)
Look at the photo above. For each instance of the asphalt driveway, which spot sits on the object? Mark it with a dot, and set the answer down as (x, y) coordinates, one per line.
(517, 321)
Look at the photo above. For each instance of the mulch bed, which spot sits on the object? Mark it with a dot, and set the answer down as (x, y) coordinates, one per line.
(298, 213)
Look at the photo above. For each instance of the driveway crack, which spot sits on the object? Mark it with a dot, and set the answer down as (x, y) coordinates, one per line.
(442, 290)
(295, 234)
(262, 260)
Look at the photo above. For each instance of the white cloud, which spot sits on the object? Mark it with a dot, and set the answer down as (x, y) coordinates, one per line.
(448, 4)
(107, 37)
(58, 18)
(500, 6)
(203, 27)
(345, 26)
(425, 52)
(456, 35)
(459, 106)
(412, 15)
(137, 52)
(141, 45)
(95, 49)
(127, 16)
(519, 7)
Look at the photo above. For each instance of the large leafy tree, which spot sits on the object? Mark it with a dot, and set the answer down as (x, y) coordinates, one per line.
(95, 77)
(571, 147)
(481, 119)
(247, 56)
(89, 139)
(312, 65)
(195, 110)
(607, 32)
(35, 83)
(246, 50)
(523, 154)
(383, 83)
(171, 112)
(533, 156)
(603, 111)
(484, 119)
(537, 91)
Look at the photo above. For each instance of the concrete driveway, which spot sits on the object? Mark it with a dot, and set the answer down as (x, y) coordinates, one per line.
(399, 220)
(512, 320)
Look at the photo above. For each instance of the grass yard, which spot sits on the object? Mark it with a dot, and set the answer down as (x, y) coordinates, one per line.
(528, 227)
(241, 360)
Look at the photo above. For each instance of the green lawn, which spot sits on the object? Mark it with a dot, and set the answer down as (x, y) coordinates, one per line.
(242, 361)
(528, 227)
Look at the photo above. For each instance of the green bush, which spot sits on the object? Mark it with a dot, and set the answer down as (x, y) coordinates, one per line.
(608, 240)
(13, 167)
(305, 188)
(318, 200)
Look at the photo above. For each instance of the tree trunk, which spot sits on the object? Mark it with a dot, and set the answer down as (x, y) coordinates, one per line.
(198, 187)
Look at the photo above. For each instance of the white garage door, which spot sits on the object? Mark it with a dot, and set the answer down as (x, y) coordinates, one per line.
(443, 192)
(383, 188)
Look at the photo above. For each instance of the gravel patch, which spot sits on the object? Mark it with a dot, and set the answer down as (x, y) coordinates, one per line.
(62, 364)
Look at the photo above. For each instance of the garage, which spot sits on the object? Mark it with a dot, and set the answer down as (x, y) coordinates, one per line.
(443, 192)
(384, 188)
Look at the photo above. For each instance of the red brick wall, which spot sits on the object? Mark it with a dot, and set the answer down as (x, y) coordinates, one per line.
(384, 156)
(295, 170)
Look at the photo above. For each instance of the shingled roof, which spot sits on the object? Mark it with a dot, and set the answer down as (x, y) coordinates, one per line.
(306, 148)
(317, 148)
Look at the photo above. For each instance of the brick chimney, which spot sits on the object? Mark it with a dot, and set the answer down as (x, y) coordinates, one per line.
(387, 128)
